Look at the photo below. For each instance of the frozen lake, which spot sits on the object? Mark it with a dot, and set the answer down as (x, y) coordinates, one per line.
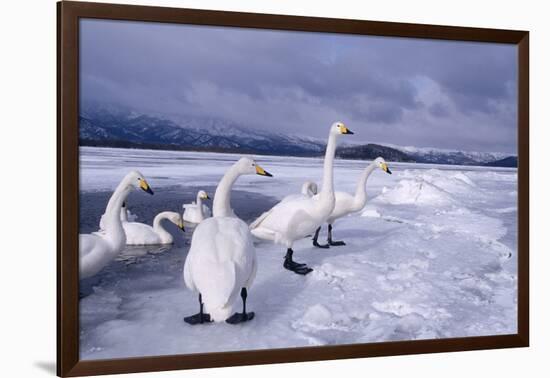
(432, 255)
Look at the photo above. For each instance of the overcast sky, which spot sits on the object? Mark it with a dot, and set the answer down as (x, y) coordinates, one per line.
(424, 93)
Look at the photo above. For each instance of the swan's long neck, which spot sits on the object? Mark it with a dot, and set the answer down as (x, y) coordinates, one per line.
(360, 192)
(123, 215)
(199, 203)
(159, 229)
(327, 190)
(113, 224)
(222, 198)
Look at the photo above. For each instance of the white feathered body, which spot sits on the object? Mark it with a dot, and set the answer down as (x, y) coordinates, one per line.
(221, 261)
(195, 213)
(96, 251)
(293, 219)
(345, 204)
(143, 234)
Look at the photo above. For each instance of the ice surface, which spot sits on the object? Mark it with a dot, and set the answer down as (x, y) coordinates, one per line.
(432, 255)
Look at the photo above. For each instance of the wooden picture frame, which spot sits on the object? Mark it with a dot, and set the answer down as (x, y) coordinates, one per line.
(69, 13)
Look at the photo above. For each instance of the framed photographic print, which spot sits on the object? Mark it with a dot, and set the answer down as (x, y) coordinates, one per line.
(239, 188)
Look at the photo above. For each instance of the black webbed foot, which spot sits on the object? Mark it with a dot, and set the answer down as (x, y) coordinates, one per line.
(336, 243)
(293, 266)
(197, 319)
(297, 268)
(240, 317)
(320, 245)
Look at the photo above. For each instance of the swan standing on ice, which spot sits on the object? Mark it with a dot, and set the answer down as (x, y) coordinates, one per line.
(298, 217)
(347, 203)
(222, 259)
(143, 234)
(196, 212)
(98, 249)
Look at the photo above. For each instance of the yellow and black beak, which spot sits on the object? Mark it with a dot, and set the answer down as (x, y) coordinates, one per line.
(260, 171)
(181, 226)
(385, 168)
(345, 130)
(143, 185)
(207, 197)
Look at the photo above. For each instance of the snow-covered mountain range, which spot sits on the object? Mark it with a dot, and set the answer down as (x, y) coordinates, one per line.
(104, 126)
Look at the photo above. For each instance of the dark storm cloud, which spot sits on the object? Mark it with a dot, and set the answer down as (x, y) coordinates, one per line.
(395, 90)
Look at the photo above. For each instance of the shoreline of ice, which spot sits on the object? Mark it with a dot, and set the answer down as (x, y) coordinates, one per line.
(432, 255)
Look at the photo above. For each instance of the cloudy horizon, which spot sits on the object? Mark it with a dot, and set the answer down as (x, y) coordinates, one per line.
(401, 91)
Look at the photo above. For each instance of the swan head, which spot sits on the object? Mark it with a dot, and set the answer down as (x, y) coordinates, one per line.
(381, 163)
(309, 188)
(247, 166)
(176, 218)
(338, 128)
(136, 180)
(203, 195)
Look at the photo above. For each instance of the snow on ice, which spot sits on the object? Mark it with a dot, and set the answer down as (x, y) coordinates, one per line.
(432, 255)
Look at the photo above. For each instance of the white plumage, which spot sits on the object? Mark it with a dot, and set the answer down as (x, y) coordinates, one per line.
(350, 203)
(346, 203)
(222, 258)
(296, 217)
(221, 261)
(197, 211)
(98, 249)
(143, 234)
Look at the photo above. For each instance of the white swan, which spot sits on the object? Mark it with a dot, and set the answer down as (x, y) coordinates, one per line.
(346, 203)
(196, 212)
(143, 234)
(309, 189)
(296, 218)
(222, 259)
(98, 249)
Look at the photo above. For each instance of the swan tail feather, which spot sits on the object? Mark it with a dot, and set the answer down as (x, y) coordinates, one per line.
(220, 291)
(220, 314)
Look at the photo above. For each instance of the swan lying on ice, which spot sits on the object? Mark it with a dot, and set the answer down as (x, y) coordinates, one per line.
(196, 212)
(98, 249)
(347, 204)
(295, 218)
(143, 234)
(221, 262)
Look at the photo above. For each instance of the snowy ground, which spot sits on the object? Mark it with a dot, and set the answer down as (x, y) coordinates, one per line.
(432, 255)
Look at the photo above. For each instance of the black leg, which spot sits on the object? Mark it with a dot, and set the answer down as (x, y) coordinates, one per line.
(199, 318)
(293, 266)
(330, 241)
(237, 317)
(315, 243)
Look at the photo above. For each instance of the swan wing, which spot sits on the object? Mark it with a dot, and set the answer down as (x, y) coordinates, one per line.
(192, 214)
(221, 260)
(286, 213)
(343, 205)
(140, 234)
(189, 206)
(260, 219)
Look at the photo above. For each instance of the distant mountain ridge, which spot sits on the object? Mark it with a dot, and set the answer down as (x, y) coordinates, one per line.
(117, 128)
